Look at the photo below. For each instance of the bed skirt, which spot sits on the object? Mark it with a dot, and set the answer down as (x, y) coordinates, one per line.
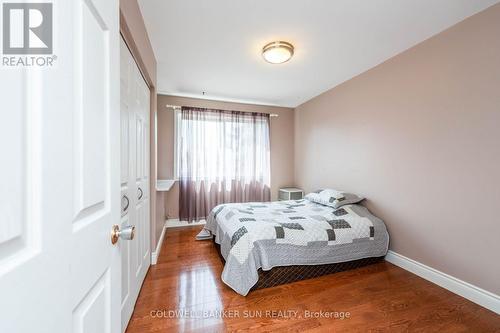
(288, 274)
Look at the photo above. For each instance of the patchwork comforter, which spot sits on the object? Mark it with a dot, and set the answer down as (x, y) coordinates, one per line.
(297, 232)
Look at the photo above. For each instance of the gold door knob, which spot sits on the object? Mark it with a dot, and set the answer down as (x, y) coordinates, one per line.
(127, 233)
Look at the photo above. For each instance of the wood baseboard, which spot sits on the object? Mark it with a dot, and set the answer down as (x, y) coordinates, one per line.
(473, 293)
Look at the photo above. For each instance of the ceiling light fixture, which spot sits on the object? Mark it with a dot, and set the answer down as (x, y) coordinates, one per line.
(277, 52)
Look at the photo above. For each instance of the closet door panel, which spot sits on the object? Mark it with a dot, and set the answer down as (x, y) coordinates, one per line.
(136, 255)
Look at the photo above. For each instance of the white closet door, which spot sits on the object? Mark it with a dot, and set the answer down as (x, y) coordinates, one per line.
(135, 104)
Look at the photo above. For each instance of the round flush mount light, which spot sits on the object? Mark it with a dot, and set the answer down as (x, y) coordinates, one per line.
(277, 52)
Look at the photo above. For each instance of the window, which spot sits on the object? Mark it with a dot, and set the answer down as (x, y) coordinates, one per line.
(222, 146)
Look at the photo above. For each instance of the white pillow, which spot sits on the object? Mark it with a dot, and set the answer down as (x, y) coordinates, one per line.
(333, 198)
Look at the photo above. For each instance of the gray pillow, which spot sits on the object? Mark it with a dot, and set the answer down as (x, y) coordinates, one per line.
(333, 198)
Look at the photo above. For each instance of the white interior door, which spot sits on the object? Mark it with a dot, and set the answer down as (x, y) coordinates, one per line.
(135, 255)
(59, 194)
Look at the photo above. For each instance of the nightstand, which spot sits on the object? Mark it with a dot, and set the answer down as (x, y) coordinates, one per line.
(290, 193)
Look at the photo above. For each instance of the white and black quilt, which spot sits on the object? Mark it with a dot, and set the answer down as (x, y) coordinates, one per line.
(297, 232)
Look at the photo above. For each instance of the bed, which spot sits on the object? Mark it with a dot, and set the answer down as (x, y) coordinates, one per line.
(265, 244)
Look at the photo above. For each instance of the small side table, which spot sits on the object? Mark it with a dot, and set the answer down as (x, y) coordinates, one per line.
(290, 193)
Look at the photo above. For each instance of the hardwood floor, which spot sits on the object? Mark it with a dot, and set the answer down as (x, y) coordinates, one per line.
(380, 297)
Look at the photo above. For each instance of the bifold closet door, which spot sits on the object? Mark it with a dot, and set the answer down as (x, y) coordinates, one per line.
(136, 254)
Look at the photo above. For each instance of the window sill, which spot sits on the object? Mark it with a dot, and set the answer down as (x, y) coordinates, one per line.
(164, 185)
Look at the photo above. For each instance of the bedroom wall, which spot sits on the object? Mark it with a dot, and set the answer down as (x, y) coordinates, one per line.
(281, 136)
(419, 136)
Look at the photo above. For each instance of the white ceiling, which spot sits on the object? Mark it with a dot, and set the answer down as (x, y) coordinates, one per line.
(214, 46)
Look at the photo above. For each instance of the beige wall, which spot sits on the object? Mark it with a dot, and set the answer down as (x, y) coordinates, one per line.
(133, 29)
(419, 136)
(281, 136)
(134, 33)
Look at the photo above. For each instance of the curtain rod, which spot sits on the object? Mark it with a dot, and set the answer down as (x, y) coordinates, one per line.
(177, 107)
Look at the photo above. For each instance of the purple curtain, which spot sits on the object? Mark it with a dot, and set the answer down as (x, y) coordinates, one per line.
(223, 156)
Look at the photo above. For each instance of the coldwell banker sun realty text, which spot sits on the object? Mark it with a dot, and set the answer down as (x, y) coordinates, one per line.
(27, 34)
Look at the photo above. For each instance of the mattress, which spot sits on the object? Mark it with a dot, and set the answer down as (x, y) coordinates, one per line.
(257, 237)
